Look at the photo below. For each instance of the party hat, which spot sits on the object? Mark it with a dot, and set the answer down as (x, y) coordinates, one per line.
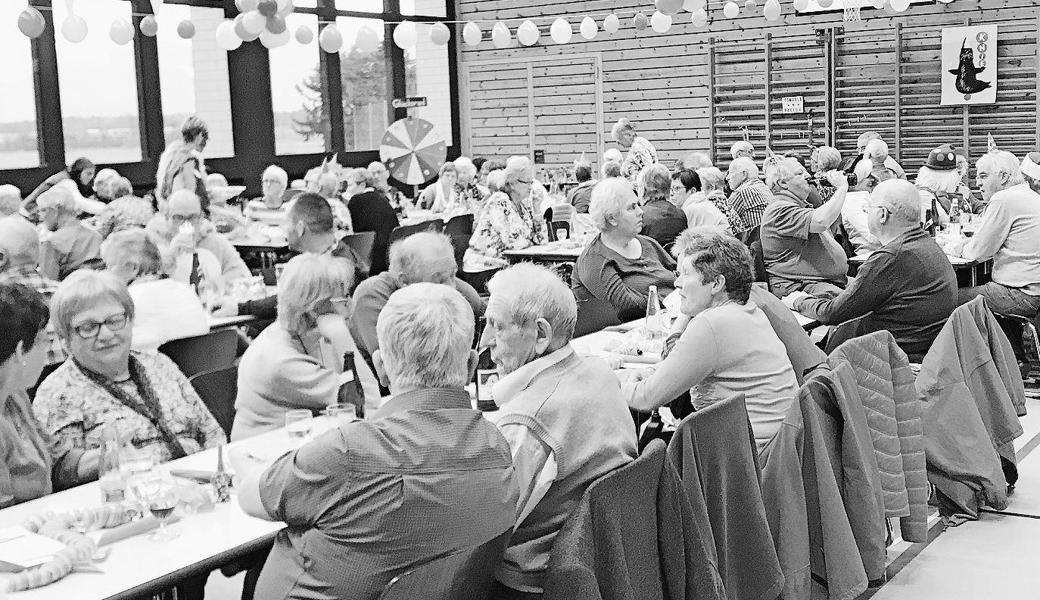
(991, 144)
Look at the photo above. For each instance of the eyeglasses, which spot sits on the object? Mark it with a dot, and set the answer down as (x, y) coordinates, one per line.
(91, 329)
(525, 181)
(867, 208)
(185, 218)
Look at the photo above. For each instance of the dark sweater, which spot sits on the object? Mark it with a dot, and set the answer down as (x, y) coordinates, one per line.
(371, 211)
(663, 221)
(908, 287)
(602, 273)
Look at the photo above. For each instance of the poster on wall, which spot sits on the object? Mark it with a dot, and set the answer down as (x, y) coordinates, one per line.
(969, 65)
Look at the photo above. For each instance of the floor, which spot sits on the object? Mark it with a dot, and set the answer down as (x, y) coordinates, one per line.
(994, 557)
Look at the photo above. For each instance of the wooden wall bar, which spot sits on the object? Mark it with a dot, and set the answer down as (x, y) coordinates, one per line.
(702, 89)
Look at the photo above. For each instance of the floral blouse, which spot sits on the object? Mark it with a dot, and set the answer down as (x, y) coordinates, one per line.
(641, 154)
(502, 226)
(74, 411)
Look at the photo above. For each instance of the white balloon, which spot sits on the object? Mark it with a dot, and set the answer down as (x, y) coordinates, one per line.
(74, 28)
(304, 35)
(561, 31)
(121, 32)
(900, 5)
(330, 39)
(611, 24)
(528, 33)
(439, 34)
(274, 40)
(500, 35)
(731, 10)
(588, 28)
(801, 5)
(660, 22)
(367, 40)
(772, 10)
(227, 39)
(285, 8)
(699, 17)
(693, 5)
(825, 3)
(405, 35)
(254, 22)
(471, 34)
(668, 7)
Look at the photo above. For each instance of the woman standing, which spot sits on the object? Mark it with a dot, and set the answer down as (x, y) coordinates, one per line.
(181, 165)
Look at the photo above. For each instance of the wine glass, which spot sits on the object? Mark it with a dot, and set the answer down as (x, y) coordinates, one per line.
(160, 494)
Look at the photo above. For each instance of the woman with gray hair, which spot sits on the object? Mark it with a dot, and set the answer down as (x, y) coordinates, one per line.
(297, 362)
(441, 195)
(721, 344)
(507, 222)
(142, 397)
(619, 265)
(165, 309)
(471, 196)
(641, 153)
(821, 160)
(662, 220)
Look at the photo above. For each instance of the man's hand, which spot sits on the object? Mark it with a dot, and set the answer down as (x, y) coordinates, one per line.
(792, 299)
(332, 326)
(837, 179)
(226, 307)
(183, 242)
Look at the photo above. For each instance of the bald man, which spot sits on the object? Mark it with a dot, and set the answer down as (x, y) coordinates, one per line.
(10, 200)
(750, 196)
(425, 257)
(907, 287)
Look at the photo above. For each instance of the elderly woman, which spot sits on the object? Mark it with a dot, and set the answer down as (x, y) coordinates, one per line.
(78, 179)
(619, 265)
(125, 212)
(721, 344)
(441, 196)
(699, 211)
(662, 220)
(507, 222)
(181, 166)
(823, 159)
(143, 397)
(297, 362)
(468, 191)
(641, 153)
(28, 467)
(165, 309)
(269, 208)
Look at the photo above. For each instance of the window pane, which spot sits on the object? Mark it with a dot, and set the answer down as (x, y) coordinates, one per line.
(193, 77)
(426, 74)
(98, 88)
(369, 6)
(305, 3)
(300, 121)
(425, 8)
(365, 86)
(19, 140)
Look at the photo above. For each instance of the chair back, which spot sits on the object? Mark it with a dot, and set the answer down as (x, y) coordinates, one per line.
(362, 243)
(758, 261)
(459, 225)
(556, 226)
(218, 389)
(593, 315)
(193, 355)
(460, 576)
(399, 233)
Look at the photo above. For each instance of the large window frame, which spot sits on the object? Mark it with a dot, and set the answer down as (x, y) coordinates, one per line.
(249, 81)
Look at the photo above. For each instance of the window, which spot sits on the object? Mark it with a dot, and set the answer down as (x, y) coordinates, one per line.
(98, 88)
(425, 8)
(301, 123)
(193, 77)
(366, 81)
(427, 74)
(19, 138)
(368, 6)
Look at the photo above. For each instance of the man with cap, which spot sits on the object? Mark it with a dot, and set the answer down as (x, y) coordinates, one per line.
(1031, 170)
(939, 183)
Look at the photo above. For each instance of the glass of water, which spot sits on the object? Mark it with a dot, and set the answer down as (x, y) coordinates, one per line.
(341, 411)
(298, 423)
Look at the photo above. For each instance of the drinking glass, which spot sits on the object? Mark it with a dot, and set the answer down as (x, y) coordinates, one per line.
(342, 410)
(160, 495)
(561, 234)
(298, 423)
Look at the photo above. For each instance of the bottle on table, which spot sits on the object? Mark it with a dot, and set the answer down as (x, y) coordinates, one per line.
(486, 377)
(955, 217)
(350, 390)
(222, 479)
(654, 322)
(110, 477)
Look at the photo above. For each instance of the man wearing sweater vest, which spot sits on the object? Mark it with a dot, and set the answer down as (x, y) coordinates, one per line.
(563, 415)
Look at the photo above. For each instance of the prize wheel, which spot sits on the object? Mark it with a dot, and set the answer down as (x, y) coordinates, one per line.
(413, 150)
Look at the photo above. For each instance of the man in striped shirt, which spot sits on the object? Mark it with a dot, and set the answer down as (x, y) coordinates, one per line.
(749, 197)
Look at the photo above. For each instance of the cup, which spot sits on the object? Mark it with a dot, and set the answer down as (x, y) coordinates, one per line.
(561, 234)
(342, 410)
(298, 423)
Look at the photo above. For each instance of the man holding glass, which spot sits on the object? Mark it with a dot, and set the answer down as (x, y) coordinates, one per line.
(425, 477)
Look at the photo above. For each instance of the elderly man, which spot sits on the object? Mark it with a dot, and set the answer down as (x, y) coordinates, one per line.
(581, 195)
(861, 153)
(1010, 235)
(425, 257)
(71, 245)
(10, 200)
(379, 177)
(743, 148)
(749, 196)
(193, 245)
(563, 414)
(269, 208)
(641, 153)
(425, 477)
(370, 210)
(19, 256)
(798, 248)
(907, 287)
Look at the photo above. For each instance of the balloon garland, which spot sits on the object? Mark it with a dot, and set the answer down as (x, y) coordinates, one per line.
(79, 548)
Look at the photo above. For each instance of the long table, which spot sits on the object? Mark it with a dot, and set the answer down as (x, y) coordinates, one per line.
(139, 566)
(554, 252)
(970, 273)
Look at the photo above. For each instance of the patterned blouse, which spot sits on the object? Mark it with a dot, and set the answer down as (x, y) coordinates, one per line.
(74, 411)
(502, 226)
(641, 154)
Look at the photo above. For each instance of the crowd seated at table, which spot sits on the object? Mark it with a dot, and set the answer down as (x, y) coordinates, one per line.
(69, 244)
(662, 220)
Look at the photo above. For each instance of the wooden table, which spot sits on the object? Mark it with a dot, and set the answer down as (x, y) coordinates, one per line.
(139, 566)
(546, 253)
(225, 322)
(970, 273)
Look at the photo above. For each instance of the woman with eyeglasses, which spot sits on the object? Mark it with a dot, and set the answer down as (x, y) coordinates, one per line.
(508, 221)
(144, 397)
(27, 466)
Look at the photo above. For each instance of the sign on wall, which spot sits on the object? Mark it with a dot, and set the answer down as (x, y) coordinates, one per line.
(969, 65)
